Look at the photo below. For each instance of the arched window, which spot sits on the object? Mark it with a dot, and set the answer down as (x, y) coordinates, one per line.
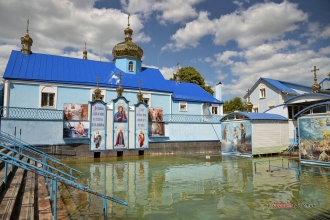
(130, 66)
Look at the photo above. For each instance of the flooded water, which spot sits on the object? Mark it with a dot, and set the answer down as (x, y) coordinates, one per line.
(197, 187)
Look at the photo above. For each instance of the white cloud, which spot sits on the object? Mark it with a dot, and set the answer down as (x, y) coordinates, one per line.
(168, 71)
(220, 75)
(325, 50)
(168, 10)
(326, 32)
(56, 26)
(224, 58)
(191, 33)
(5, 51)
(250, 27)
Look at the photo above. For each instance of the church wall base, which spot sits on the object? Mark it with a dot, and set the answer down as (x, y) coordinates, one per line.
(76, 151)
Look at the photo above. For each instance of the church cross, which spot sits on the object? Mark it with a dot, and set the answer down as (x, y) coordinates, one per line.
(97, 77)
(120, 75)
(27, 26)
(314, 70)
(128, 20)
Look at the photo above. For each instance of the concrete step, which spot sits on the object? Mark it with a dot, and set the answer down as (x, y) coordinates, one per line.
(8, 197)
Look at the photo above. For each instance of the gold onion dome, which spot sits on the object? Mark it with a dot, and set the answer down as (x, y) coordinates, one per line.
(26, 41)
(127, 47)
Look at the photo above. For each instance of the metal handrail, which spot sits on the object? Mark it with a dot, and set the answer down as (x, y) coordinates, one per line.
(24, 145)
(30, 113)
(191, 118)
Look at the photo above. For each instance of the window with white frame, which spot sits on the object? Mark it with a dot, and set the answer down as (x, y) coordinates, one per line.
(48, 96)
(94, 96)
(215, 110)
(145, 101)
(183, 106)
(130, 66)
(262, 91)
(271, 104)
(255, 110)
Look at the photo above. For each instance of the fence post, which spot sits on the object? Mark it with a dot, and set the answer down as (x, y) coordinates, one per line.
(55, 200)
(255, 167)
(6, 174)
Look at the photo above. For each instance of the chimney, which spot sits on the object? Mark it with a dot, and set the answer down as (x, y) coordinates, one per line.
(218, 95)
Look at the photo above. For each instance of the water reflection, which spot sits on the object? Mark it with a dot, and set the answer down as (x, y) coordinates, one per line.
(193, 187)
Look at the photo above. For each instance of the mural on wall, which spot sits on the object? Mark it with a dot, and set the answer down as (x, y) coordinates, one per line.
(76, 124)
(76, 129)
(155, 114)
(156, 129)
(76, 112)
(236, 137)
(314, 134)
(120, 123)
(98, 125)
(141, 126)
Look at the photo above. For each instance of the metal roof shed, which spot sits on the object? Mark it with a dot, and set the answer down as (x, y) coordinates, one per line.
(254, 133)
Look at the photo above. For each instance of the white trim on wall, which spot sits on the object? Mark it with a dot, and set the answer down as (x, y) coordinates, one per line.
(182, 108)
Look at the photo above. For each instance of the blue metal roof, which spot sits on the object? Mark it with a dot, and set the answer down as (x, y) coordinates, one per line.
(258, 116)
(66, 70)
(191, 92)
(279, 84)
(311, 106)
(307, 94)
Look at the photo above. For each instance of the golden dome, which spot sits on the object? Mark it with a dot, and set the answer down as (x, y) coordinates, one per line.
(127, 47)
(26, 41)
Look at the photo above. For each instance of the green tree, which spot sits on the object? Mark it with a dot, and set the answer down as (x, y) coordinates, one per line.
(190, 74)
(234, 104)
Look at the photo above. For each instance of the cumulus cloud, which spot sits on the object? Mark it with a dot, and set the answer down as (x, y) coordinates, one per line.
(250, 27)
(191, 33)
(167, 10)
(62, 27)
(168, 71)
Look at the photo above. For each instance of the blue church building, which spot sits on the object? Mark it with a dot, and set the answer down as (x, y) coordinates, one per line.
(38, 86)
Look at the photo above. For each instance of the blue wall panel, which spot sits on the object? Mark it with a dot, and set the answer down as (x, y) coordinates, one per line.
(25, 96)
(193, 108)
(72, 95)
(161, 101)
(193, 132)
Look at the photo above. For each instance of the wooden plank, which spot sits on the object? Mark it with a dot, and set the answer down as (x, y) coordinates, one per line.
(2, 173)
(27, 209)
(9, 198)
(44, 208)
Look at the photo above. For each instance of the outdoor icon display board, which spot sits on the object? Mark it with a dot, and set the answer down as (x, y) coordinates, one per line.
(120, 123)
(98, 123)
(76, 124)
(141, 126)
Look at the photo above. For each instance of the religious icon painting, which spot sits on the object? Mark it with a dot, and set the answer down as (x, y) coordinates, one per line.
(141, 126)
(75, 112)
(75, 129)
(156, 129)
(121, 137)
(120, 123)
(155, 114)
(98, 140)
(98, 125)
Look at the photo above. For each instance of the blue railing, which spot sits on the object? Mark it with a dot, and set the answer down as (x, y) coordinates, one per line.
(41, 167)
(192, 118)
(30, 113)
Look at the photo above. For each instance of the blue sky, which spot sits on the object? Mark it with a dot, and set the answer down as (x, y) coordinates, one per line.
(235, 42)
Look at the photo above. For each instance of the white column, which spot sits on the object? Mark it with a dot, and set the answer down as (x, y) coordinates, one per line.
(6, 93)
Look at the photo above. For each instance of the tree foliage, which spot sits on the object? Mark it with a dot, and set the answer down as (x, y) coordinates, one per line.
(190, 74)
(234, 104)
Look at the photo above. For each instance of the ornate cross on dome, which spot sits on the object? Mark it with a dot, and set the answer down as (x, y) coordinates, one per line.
(128, 20)
(120, 75)
(27, 26)
(97, 77)
(314, 70)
